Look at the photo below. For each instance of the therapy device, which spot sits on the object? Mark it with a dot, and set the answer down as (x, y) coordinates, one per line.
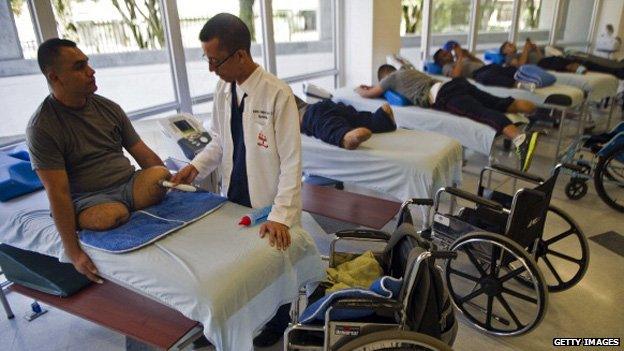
(187, 131)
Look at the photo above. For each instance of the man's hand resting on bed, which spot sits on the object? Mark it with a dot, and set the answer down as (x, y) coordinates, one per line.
(84, 265)
(279, 235)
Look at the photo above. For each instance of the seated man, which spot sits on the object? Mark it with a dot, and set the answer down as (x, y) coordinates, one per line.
(466, 65)
(460, 97)
(533, 55)
(76, 141)
(342, 125)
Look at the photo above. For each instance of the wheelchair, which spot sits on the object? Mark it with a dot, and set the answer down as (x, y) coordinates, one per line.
(605, 165)
(505, 244)
(421, 317)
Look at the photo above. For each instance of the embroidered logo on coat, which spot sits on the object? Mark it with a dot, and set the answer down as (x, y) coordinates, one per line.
(262, 140)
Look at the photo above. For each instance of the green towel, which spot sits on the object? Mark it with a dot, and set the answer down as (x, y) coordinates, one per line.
(360, 272)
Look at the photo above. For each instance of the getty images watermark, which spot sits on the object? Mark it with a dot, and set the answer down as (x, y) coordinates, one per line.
(586, 341)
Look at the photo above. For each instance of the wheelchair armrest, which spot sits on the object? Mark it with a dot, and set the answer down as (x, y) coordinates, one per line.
(370, 302)
(421, 202)
(515, 173)
(363, 234)
(473, 198)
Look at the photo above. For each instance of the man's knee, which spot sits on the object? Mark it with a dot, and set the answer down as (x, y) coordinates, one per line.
(147, 190)
(103, 217)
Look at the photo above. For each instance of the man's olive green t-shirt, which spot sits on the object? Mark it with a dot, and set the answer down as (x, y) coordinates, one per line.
(87, 143)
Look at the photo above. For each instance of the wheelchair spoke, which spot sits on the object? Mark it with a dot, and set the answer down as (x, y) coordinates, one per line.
(516, 272)
(519, 295)
(471, 296)
(564, 256)
(463, 274)
(553, 270)
(510, 312)
(488, 313)
(496, 251)
(474, 260)
(560, 236)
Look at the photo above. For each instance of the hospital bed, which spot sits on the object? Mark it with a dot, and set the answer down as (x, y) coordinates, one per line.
(149, 321)
(211, 271)
(470, 134)
(402, 164)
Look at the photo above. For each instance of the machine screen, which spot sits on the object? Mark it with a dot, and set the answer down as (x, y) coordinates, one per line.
(184, 126)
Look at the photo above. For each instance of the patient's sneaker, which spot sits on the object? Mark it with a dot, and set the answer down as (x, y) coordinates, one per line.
(355, 137)
(526, 149)
(388, 110)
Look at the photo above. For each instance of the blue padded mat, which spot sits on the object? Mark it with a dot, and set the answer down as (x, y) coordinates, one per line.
(177, 210)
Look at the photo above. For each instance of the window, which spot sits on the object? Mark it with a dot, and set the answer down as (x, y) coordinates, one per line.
(125, 42)
(535, 20)
(304, 36)
(193, 15)
(495, 17)
(450, 20)
(411, 17)
(575, 23)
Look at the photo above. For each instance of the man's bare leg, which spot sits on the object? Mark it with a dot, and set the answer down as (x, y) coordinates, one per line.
(355, 137)
(146, 190)
(521, 106)
(388, 110)
(103, 216)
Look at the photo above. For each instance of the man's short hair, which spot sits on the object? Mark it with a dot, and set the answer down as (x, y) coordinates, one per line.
(231, 31)
(384, 70)
(437, 57)
(502, 48)
(49, 51)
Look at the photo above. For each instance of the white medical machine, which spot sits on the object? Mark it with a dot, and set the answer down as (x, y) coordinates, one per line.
(187, 131)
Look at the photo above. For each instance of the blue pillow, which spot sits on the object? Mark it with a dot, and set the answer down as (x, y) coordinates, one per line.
(433, 68)
(16, 178)
(396, 99)
(494, 56)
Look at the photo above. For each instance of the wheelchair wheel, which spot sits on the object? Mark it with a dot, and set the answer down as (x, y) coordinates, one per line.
(395, 340)
(609, 178)
(576, 189)
(562, 254)
(481, 284)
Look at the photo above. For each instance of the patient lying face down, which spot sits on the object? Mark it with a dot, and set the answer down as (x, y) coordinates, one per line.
(76, 141)
(342, 125)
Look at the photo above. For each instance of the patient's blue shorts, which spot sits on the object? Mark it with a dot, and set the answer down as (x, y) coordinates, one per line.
(121, 193)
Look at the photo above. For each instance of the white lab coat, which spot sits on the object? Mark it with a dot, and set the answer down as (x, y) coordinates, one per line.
(272, 142)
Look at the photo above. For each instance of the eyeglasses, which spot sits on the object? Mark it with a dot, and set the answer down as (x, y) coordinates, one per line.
(216, 64)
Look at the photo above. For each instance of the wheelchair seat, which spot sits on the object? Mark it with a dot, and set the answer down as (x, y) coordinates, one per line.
(422, 304)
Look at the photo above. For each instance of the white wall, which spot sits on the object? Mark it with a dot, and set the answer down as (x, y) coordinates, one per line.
(371, 32)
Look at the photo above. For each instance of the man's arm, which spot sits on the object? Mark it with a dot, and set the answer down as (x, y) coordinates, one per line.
(524, 57)
(145, 156)
(370, 92)
(56, 184)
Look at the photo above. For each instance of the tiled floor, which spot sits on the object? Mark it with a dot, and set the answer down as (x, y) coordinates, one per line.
(593, 308)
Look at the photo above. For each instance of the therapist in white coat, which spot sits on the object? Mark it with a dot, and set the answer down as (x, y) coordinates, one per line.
(255, 140)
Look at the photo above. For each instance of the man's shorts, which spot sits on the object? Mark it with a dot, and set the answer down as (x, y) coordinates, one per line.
(121, 193)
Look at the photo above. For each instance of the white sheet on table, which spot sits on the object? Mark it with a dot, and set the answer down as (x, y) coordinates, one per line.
(403, 164)
(473, 135)
(212, 271)
(538, 96)
(597, 85)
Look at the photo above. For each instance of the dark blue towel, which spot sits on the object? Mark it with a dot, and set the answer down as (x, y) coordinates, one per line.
(177, 210)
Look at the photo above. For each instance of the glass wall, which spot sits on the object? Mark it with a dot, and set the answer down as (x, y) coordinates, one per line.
(574, 23)
(125, 42)
(304, 36)
(193, 15)
(450, 19)
(495, 22)
(22, 86)
(535, 20)
(127, 45)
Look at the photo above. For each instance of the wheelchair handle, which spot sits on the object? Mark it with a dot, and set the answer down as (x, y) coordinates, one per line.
(446, 255)
(363, 233)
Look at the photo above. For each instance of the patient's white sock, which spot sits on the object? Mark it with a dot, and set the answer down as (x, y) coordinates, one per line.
(517, 141)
